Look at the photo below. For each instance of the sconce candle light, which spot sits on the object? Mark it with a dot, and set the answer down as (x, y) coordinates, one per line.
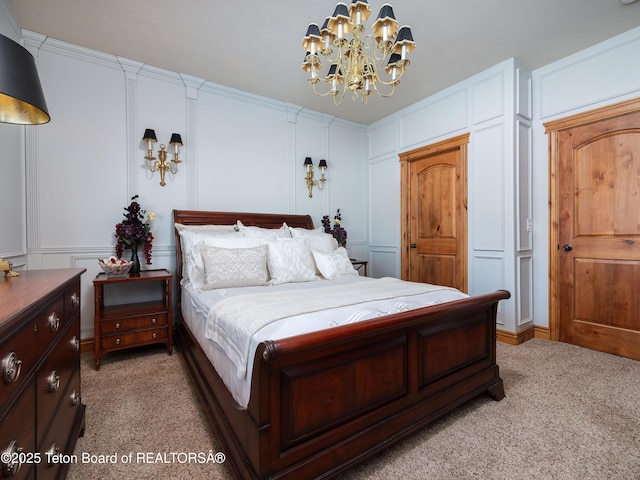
(309, 178)
(161, 164)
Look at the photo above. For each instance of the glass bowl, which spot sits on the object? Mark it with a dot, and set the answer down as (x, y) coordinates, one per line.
(115, 267)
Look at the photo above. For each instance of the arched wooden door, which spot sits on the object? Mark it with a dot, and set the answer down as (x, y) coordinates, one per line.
(434, 213)
(595, 229)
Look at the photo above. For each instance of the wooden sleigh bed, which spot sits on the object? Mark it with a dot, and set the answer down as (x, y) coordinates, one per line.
(322, 402)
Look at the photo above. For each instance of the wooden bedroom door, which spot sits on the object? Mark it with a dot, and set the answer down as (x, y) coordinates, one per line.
(595, 163)
(434, 213)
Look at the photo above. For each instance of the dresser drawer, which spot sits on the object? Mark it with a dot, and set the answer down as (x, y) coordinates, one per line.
(54, 376)
(57, 438)
(17, 430)
(72, 302)
(18, 357)
(142, 337)
(135, 323)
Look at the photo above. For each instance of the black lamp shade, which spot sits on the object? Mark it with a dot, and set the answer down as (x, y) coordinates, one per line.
(322, 164)
(149, 135)
(307, 161)
(176, 139)
(21, 98)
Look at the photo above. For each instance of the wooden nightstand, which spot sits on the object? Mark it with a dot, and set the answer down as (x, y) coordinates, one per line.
(359, 264)
(124, 325)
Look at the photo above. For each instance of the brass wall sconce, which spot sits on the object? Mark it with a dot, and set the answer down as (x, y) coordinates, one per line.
(162, 165)
(309, 178)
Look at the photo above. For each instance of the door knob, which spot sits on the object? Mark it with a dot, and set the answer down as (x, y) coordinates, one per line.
(567, 247)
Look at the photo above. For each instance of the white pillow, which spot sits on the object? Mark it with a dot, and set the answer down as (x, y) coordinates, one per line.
(281, 232)
(318, 238)
(334, 264)
(205, 228)
(290, 260)
(192, 266)
(234, 267)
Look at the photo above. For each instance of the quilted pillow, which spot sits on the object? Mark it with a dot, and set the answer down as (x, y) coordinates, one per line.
(192, 266)
(290, 260)
(234, 267)
(334, 264)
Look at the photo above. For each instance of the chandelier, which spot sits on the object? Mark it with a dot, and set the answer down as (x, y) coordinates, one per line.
(362, 63)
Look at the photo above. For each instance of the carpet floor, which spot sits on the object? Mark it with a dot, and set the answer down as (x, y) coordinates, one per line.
(569, 414)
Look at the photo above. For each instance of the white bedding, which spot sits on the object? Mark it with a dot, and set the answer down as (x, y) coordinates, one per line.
(198, 306)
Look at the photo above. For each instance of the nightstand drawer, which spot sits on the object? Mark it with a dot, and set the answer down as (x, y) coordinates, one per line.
(142, 337)
(137, 323)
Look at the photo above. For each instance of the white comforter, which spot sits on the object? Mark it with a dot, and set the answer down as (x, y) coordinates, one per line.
(232, 322)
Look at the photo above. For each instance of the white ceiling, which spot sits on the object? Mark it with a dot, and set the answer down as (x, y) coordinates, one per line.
(255, 45)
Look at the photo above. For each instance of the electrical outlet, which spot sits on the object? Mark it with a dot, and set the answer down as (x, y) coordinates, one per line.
(529, 225)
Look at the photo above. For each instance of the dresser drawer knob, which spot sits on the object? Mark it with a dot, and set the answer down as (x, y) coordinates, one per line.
(153, 321)
(54, 322)
(154, 335)
(54, 450)
(11, 460)
(117, 341)
(75, 398)
(11, 367)
(75, 344)
(117, 326)
(53, 381)
(75, 299)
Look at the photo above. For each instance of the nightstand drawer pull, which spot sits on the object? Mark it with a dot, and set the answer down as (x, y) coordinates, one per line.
(153, 321)
(117, 325)
(53, 381)
(11, 460)
(117, 341)
(11, 367)
(75, 299)
(75, 398)
(54, 322)
(75, 344)
(154, 335)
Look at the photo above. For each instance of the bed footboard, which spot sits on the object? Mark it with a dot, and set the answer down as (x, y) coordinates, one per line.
(323, 401)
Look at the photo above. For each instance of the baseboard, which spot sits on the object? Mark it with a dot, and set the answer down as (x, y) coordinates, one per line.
(515, 338)
(86, 345)
(542, 332)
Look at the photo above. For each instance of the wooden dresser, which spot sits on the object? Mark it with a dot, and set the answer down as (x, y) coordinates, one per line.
(41, 412)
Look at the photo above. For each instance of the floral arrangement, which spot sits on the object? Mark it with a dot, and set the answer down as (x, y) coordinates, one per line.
(338, 232)
(135, 230)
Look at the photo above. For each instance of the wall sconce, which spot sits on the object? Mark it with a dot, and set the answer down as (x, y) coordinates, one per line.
(309, 178)
(162, 165)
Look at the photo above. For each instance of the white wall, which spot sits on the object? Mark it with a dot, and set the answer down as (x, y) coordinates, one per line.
(492, 106)
(605, 74)
(241, 153)
(13, 243)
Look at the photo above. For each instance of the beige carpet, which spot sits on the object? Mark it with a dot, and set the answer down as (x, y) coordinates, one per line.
(570, 413)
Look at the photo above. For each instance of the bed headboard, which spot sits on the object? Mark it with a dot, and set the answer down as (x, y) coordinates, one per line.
(265, 220)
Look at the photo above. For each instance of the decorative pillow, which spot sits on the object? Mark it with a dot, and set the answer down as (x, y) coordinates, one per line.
(234, 267)
(318, 239)
(192, 266)
(281, 232)
(334, 264)
(290, 260)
